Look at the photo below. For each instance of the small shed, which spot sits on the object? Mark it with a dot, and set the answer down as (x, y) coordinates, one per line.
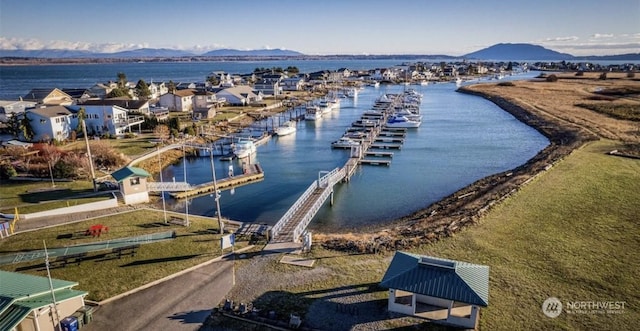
(26, 301)
(133, 184)
(441, 290)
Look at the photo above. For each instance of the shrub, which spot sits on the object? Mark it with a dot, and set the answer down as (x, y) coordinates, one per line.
(506, 84)
(7, 171)
(631, 74)
(552, 78)
(603, 76)
(580, 73)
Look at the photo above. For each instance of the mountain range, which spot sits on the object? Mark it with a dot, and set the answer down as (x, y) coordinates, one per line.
(498, 52)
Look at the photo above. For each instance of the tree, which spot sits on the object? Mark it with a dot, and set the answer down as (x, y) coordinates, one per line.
(142, 89)
(82, 114)
(118, 93)
(293, 70)
(7, 171)
(162, 132)
(122, 80)
(213, 80)
(171, 87)
(174, 123)
(25, 128)
(14, 125)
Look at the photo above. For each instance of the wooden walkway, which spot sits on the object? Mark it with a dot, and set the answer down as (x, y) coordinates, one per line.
(287, 232)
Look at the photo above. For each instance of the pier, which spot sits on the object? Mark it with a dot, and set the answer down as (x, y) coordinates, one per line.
(286, 234)
(253, 174)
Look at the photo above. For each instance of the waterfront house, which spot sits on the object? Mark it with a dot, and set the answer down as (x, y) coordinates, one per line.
(443, 291)
(135, 106)
(9, 108)
(180, 100)
(205, 104)
(27, 301)
(292, 84)
(133, 184)
(48, 96)
(52, 122)
(157, 89)
(268, 87)
(106, 119)
(239, 95)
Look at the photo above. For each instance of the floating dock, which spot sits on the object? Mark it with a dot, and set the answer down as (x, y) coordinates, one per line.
(253, 174)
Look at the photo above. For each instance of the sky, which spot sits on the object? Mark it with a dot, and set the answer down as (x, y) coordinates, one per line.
(322, 27)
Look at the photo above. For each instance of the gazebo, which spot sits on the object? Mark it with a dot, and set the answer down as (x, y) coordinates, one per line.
(443, 291)
(133, 184)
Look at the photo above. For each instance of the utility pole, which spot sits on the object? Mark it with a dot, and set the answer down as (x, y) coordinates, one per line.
(86, 140)
(216, 195)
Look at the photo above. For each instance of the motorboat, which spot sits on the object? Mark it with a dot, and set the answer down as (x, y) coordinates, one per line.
(399, 121)
(312, 113)
(244, 148)
(345, 142)
(286, 128)
(408, 114)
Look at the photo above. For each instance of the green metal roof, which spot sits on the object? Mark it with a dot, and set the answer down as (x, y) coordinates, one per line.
(437, 277)
(21, 293)
(126, 172)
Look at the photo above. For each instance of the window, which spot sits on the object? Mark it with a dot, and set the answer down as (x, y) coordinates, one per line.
(135, 181)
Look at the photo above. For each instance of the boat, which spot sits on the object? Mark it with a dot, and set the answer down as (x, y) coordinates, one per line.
(286, 128)
(345, 142)
(399, 121)
(312, 113)
(244, 148)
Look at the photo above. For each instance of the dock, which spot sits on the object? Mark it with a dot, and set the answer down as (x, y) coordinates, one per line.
(286, 234)
(253, 174)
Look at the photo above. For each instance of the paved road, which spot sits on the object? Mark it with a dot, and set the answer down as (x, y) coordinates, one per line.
(181, 303)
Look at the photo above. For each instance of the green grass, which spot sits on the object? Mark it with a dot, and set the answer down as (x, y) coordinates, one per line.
(26, 193)
(133, 146)
(105, 278)
(33, 208)
(573, 233)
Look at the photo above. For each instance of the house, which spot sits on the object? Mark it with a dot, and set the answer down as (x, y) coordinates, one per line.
(133, 184)
(292, 84)
(180, 100)
(268, 87)
(26, 301)
(239, 95)
(441, 290)
(205, 104)
(77, 94)
(105, 119)
(48, 96)
(9, 108)
(157, 89)
(101, 90)
(137, 106)
(53, 122)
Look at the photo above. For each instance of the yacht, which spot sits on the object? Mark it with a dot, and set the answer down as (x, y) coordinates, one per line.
(286, 128)
(312, 113)
(244, 148)
(399, 121)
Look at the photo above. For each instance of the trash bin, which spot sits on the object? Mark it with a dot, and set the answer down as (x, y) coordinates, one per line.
(88, 314)
(80, 317)
(69, 324)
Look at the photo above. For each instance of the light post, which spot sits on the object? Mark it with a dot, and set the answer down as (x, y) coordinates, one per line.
(216, 194)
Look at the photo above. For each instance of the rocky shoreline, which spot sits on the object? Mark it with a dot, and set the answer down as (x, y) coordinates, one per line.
(467, 205)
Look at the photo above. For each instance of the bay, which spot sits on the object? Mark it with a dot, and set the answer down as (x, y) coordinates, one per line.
(463, 138)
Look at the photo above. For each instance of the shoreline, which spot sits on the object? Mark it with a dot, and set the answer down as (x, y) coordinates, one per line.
(466, 206)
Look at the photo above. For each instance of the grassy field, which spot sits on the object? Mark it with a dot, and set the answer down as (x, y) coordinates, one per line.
(26, 193)
(572, 233)
(105, 277)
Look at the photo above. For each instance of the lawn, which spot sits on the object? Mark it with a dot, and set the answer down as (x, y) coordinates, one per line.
(106, 277)
(573, 233)
(26, 193)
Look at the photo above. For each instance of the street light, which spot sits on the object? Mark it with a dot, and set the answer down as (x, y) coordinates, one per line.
(217, 194)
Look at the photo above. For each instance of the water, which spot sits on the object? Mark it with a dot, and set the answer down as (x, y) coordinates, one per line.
(462, 139)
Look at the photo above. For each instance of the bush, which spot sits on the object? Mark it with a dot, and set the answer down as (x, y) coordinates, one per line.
(7, 171)
(631, 74)
(552, 78)
(506, 84)
(580, 73)
(603, 76)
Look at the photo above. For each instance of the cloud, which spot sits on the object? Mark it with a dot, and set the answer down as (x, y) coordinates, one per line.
(561, 39)
(36, 44)
(602, 35)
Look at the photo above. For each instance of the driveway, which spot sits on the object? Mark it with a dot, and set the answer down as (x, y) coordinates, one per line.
(181, 303)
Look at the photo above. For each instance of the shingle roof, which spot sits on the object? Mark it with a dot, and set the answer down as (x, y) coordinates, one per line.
(437, 277)
(51, 111)
(126, 172)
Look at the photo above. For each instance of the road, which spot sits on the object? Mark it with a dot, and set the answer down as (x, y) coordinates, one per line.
(182, 303)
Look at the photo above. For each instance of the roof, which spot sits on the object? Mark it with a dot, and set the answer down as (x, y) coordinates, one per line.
(51, 111)
(437, 277)
(127, 104)
(21, 293)
(126, 172)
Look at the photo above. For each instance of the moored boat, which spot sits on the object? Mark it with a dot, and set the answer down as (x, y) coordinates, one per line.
(286, 128)
(244, 148)
(312, 113)
(345, 142)
(399, 121)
